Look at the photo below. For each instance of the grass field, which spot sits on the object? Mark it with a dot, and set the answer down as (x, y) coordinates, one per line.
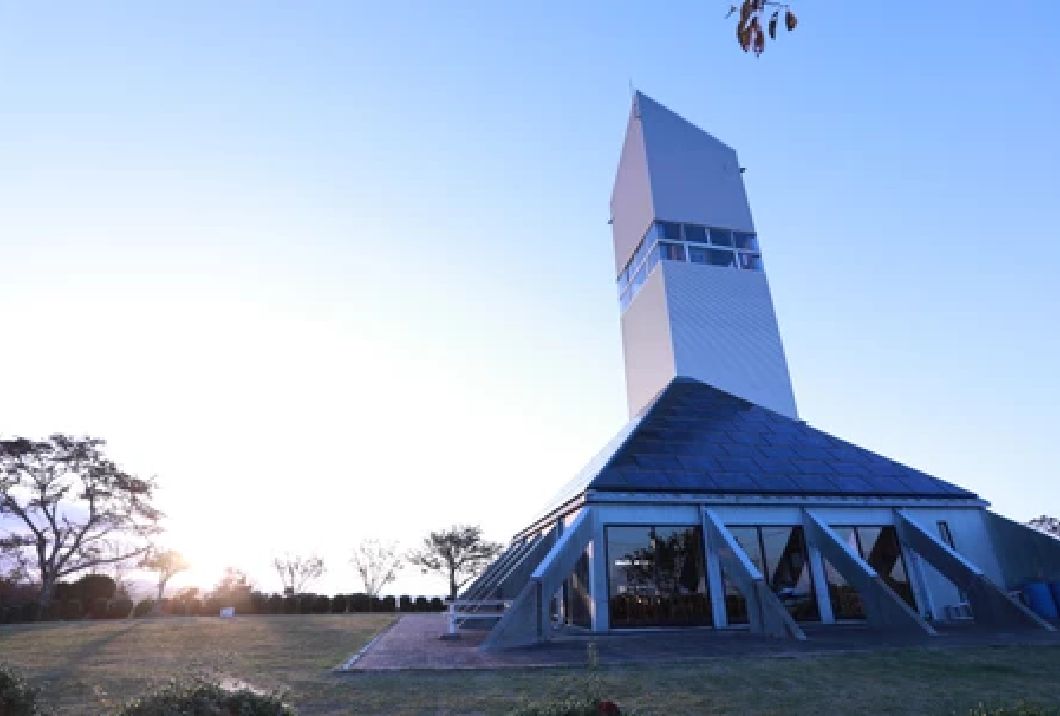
(85, 666)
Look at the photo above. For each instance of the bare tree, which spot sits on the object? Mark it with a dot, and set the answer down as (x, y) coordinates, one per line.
(1048, 525)
(459, 552)
(64, 500)
(166, 563)
(296, 571)
(377, 563)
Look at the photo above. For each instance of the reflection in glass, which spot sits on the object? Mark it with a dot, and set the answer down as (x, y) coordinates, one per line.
(697, 255)
(656, 577)
(879, 547)
(780, 554)
(578, 606)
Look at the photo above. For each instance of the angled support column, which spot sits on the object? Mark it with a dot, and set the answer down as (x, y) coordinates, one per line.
(991, 605)
(883, 608)
(765, 612)
(527, 621)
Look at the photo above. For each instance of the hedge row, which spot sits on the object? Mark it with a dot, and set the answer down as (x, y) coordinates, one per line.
(252, 603)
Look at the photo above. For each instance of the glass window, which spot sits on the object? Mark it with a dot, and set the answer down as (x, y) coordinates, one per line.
(670, 231)
(653, 258)
(846, 602)
(744, 240)
(672, 252)
(788, 571)
(721, 237)
(751, 261)
(578, 606)
(945, 534)
(721, 257)
(880, 548)
(656, 577)
(695, 233)
(638, 280)
(697, 255)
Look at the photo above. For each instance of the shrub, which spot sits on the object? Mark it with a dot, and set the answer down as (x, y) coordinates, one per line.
(405, 603)
(338, 604)
(360, 602)
(275, 604)
(29, 612)
(305, 603)
(389, 603)
(97, 608)
(17, 698)
(202, 698)
(143, 607)
(437, 605)
(422, 605)
(321, 604)
(119, 608)
(72, 609)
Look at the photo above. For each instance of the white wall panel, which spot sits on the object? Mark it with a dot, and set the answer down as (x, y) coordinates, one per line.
(725, 333)
(646, 344)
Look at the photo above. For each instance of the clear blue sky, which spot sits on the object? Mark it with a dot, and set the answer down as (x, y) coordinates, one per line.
(343, 269)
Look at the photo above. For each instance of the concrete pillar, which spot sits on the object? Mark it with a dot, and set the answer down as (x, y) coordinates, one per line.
(715, 582)
(820, 583)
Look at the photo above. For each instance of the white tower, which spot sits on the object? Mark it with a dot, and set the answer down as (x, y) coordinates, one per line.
(692, 290)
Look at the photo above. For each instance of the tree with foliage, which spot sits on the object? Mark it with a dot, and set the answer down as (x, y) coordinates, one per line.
(166, 563)
(377, 563)
(752, 26)
(1048, 525)
(62, 500)
(459, 552)
(296, 571)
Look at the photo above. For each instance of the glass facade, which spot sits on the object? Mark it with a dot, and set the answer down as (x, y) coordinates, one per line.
(780, 554)
(671, 241)
(576, 595)
(879, 547)
(656, 577)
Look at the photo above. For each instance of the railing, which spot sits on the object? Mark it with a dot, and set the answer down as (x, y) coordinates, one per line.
(462, 610)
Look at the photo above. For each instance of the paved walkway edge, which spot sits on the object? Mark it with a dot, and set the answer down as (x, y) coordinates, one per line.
(348, 664)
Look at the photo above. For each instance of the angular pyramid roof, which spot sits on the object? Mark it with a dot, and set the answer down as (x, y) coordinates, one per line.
(694, 438)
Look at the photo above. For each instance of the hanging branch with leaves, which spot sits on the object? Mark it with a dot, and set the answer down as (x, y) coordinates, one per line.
(752, 27)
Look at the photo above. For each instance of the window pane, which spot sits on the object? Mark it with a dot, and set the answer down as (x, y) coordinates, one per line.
(638, 280)
(670, 231)
(721, 237)
(672, 252)
(751, 261)
(656, 577)
(735, 603)
(639, 254)
(884, 554)
(846, 603)
(697, 255)
(744, 240)
(788, 571)
(721, 257)
(695, 233)
(576, 594)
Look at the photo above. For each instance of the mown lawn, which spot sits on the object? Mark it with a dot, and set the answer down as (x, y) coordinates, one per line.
(85, 666)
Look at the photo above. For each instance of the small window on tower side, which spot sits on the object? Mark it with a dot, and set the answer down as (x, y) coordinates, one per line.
(751, 261)
(721, 237)
(720, 257)
(672, 252)
(695, 233)
(744, 240)
(697, 255)
(670, 230)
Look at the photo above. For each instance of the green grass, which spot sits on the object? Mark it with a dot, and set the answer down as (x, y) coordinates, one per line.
(83, 666)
